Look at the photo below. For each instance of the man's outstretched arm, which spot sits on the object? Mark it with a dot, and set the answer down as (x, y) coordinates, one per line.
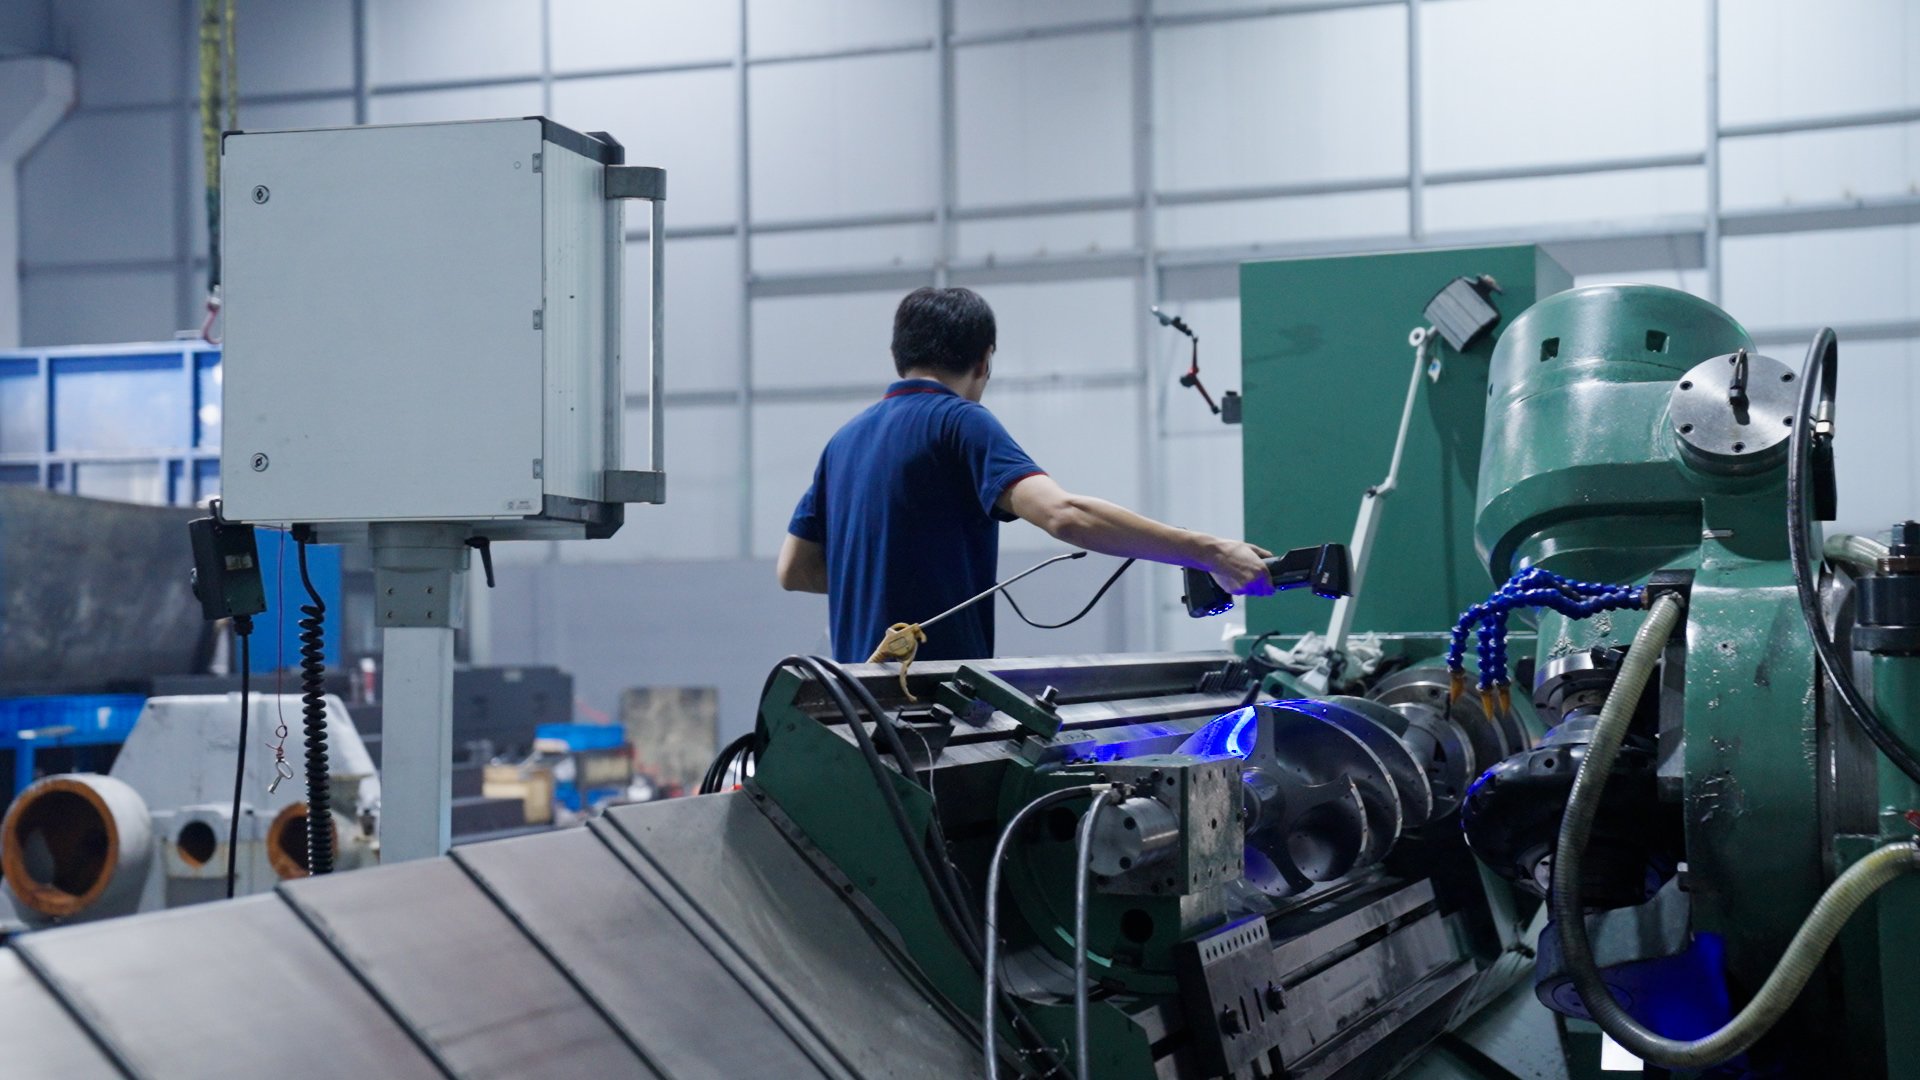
(1111, 529)
(802, 566)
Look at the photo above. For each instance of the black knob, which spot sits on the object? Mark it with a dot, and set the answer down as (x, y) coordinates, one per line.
(1906, 538)
(1230, 1022)
(1274, 998)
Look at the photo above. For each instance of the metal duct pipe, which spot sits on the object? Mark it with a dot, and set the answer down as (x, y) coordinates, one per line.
(77, 845)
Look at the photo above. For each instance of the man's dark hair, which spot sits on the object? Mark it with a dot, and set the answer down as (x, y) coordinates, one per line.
(945, 330)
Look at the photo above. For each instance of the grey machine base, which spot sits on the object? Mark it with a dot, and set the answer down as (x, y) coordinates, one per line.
(675, 939)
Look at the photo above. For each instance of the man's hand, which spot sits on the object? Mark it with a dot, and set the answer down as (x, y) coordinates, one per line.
(1241, 569)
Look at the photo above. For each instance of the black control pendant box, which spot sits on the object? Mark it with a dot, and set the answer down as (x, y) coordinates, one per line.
(226, 569)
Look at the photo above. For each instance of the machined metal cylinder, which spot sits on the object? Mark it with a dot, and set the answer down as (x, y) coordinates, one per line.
(77, 845)
(1136, 833)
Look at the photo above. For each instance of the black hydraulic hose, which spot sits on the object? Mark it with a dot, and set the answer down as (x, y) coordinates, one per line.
(313, 713)
(942, 902)
(942, 884)
(936, 840)
(1817, 380)
(242, 632)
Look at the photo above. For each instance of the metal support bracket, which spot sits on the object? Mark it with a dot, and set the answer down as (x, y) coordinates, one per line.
(634, 486)
(971, 683)
(420, 589)
(636, 182)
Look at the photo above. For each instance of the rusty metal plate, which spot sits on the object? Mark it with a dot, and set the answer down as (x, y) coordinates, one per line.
(593, 916)
(42, 1040)
(444, 957)
(777, 915)
(228, 991)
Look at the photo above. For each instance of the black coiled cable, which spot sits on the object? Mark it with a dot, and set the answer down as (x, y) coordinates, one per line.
(313, 714)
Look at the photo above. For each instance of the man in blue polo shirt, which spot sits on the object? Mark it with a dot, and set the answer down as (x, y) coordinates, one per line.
(903, 518)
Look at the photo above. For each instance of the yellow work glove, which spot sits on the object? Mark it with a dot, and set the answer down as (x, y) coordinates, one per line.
(902, 643)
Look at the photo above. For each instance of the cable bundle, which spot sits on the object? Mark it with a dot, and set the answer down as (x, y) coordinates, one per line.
(1530, 588)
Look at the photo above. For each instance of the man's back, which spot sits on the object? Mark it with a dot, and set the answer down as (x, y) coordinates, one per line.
(903, 502)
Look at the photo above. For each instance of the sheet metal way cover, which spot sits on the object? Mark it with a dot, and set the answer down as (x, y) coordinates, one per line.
(727, 857)
(635, 957)
(227, 991)
(41, 1039)
(447, 959)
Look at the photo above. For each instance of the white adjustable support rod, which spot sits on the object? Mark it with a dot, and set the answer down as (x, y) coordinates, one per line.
(1368, 522)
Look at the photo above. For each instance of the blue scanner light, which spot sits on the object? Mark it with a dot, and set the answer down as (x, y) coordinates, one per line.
(1231, 733)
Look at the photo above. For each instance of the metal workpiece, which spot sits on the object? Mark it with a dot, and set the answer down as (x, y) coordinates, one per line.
(1577, 681)
(1887, 611)
(1383, 731)
(1732, 414)
(1137, 834)
(1490, 737)
(76, 845)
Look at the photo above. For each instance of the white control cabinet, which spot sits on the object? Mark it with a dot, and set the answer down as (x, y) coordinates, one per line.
(423, 325)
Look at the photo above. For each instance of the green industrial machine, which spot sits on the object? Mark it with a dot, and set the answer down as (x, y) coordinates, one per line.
(1609, 740)
(1277, 864)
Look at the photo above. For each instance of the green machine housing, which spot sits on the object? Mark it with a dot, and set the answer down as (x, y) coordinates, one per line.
(1349, 881)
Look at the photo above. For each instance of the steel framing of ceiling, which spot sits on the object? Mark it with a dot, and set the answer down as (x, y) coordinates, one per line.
(1681, 242)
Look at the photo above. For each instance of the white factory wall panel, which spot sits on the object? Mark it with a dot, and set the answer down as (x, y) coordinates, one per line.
(1087, 439)
(1786, 58)
(468, 103)
(96, 306)
(294, 46)
(1303, 98)
(701, 517)
(1052, 234)
(1205, 495)
(803, 341)
(1044, 120)
(845, 249)
(1692, 281)
(703, 314)
(1824, 278)
(128, 53)
(991, 16)
(594, 35)
(434, 40)
(87, 204)
(1520, 82)
(787, 440)
(1295, 219)
(686, 122)
(785, 27)
(1877, 458)
(1178, 411)
(1060, 328)
(658, 623)
(1822, 167)
(843, 137)
(1585, 202)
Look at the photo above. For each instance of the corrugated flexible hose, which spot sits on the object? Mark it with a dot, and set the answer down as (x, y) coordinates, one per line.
(1803, 954)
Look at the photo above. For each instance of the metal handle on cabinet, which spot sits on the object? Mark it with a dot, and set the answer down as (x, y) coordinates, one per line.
(627, 485)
